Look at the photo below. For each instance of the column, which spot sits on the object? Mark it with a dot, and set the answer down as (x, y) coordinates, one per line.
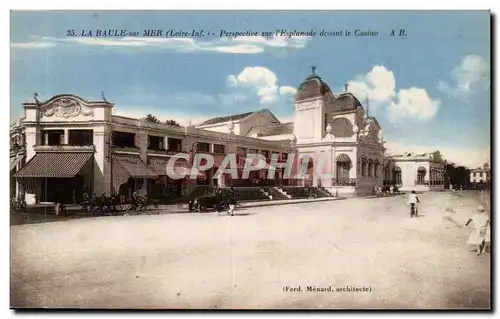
(143, 145)
(102, 168)
(66, 136)
(165, 143)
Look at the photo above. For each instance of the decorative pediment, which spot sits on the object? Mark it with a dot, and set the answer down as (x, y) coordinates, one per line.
(66, 107)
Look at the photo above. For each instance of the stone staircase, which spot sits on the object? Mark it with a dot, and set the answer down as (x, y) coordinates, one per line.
(282, 193)
(276, 193)
(322, 192)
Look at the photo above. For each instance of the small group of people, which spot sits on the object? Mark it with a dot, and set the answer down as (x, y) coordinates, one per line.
(386, 190)
(18, 203)
(228, 198)
(480, 236)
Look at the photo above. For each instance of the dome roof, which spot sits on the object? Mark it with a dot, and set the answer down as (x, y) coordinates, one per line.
(312, 87)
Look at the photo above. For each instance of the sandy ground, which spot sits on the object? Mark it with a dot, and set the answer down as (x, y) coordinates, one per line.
(249, 260)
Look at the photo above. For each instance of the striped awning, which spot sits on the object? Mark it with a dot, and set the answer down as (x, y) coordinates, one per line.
(55, 165)
(14, 161)
(343, 158)
(134, 166)
(181, 167)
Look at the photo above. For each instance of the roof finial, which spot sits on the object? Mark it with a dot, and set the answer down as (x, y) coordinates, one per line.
(346, 87)
(313, 67)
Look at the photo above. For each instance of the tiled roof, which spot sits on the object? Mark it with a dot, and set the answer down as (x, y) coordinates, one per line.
(277, 129)
(55, 164)
(223, 119)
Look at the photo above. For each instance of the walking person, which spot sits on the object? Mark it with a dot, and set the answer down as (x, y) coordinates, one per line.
(232, 206)
(480, 235)
(413, 201)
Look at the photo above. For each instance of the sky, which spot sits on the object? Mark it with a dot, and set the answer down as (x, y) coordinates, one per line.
(429, 90)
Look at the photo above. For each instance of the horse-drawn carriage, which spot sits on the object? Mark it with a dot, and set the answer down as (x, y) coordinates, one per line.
(115, 205)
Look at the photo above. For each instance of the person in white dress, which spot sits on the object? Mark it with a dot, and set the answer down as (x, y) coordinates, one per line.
(480, 235)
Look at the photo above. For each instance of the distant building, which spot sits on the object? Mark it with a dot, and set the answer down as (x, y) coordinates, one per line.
(419, 172)
(480, 175)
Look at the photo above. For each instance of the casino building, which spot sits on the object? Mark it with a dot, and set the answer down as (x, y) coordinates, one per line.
(67, 145)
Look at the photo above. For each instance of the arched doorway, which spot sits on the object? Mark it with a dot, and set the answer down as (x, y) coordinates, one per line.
(421, 172)
(397, 176)
(343, 166)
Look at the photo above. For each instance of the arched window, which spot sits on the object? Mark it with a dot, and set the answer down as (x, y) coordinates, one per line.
(364, 167)
(343, 167)
(377, 168)
(421, 172)
(397, 175)
(371, 165)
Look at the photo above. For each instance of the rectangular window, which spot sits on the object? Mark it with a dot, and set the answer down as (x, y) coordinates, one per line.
(53, 137)
(81, 137)
(219, 149)
(203, 147)
(241, 151)
(174, 144)
(123, 139)
(155, 142)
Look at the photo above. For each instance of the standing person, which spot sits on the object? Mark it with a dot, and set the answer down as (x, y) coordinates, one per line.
(391, 190)
(413, 203)
(480, 235)
(232, 205)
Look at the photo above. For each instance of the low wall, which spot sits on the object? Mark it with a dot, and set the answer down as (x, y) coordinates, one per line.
(341, 191)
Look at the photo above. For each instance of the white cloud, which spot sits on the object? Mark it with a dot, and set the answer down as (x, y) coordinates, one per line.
(263, 81)
(32, 45)
(413, 103)
(288, 90)
(240, 45)
(473, 70)
(379, 86)
(471, 158)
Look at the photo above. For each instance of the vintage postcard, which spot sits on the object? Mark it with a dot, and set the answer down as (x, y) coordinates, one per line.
(250, 160)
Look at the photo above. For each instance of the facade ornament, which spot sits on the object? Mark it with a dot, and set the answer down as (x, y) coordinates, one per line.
(355, 129)
(230, 125)
(328, 128)
(67, 107)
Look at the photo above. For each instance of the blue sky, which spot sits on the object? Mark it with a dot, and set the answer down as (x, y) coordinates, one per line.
(429, 90)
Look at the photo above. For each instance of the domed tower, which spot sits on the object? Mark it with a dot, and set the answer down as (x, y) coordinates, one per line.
(310, 116)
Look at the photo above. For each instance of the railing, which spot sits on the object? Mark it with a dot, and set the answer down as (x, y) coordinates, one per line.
(132, 149)
(64, 148)
(425, 183)
(164, 151)
(344, 182)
